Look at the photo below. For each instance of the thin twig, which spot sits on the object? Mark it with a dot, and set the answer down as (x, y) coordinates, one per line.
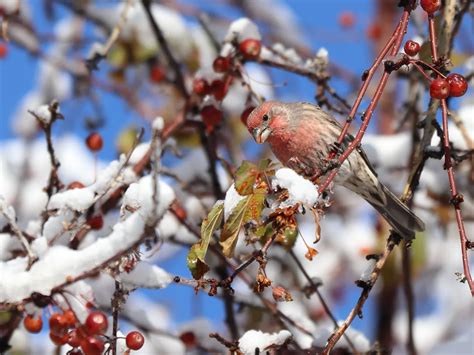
(392, 241)
(179, 79)
(393, 45)
(325, 305)
(54, 184)
(456, 198)
(115, 303)
(18, 232)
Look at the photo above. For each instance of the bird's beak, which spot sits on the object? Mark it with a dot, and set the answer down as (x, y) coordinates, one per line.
(261, 134)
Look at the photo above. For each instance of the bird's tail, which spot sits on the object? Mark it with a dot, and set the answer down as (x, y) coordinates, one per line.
(398, 215)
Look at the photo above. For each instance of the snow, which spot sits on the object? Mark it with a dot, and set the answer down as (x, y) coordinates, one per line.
(75, 199)
(137, 27)
(256, 339)
(299, 189)
(278, 16)
(138, 153)
(7, 213)
(59, 263)
(139, 195)
(322, 53)
(43, 114)
(158, 124)
(23, 123)
(367, 273)
(147, 276)
(232, 198)
(242, 29)
(388, 151)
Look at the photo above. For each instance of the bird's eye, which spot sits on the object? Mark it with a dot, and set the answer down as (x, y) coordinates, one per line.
(265, 117)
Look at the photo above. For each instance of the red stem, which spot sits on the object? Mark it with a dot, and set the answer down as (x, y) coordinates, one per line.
(456, 198)
(420, 69)
(434, 50)
(365, 86)
(394, 45)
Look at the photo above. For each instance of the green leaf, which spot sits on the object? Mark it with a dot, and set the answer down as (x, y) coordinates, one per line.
(245, 177)
(196, 265)
(289, 237)
(264, 164)
(197, 253)
(265, 231)
(232, 226)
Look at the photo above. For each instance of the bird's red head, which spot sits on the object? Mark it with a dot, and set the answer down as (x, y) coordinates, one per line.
(267, 120)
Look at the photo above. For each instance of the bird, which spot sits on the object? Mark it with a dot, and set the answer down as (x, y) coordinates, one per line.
(302, 135)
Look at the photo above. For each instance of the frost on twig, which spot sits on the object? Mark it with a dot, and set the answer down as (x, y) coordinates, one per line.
(46, 115)
(7, 218)
(59, 266)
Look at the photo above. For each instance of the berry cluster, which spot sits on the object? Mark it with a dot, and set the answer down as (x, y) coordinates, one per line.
(85, 339)
(453, 85)
(249, 49)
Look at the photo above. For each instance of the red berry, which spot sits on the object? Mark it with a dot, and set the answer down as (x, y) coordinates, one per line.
(221, 64)
(96, 323)
(439, 88)
(411, 48)
(74, 339)
(211, 116)
(346, 19)
(75, 185)
(134, 340)
(219, 89)
(430, 6)
(94, 142)
(189, 339)
(201, 87)
(70, 318)
(374, 31)
(57, 324)
(250, 48)
(33, 325)
(245, 114)
(58, 339)
(179, 211)
(92, 346)
(96, 222)
(157, 74)
(457, 85)
(3, 50)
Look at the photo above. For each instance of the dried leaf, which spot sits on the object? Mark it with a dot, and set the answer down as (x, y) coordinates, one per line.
(245, 178)
(247, 174)
(311, 254)
(280, 294)
(255, 206)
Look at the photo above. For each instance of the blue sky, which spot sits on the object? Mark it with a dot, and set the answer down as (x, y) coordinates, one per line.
(319, 19)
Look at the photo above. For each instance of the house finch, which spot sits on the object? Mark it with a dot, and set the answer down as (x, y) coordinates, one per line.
(301, 136)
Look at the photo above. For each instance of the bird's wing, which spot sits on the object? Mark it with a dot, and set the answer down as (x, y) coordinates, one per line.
(349, 139)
